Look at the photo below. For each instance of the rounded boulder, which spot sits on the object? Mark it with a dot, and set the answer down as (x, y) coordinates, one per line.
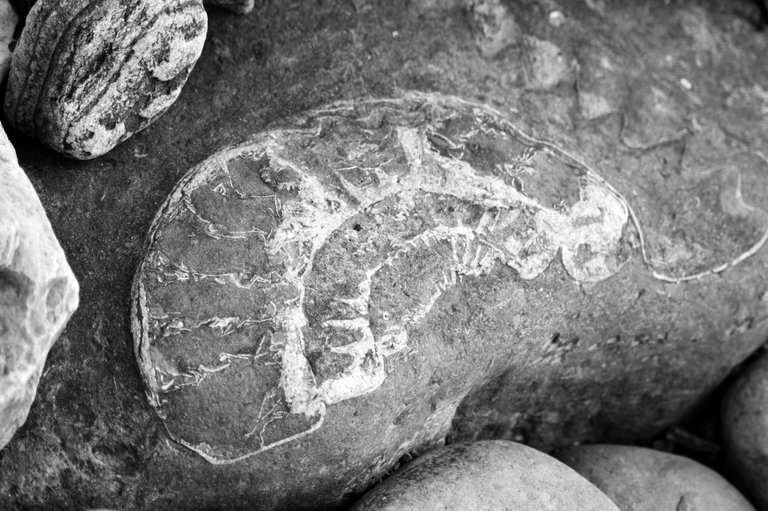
(640, 479)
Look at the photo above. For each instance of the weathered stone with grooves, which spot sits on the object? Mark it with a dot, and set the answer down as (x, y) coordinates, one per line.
(639, 479)
(38, 292)
(490, 475)
(86, 75)
(291, 274)
(239, 6)
(745, 430)
(8, 22)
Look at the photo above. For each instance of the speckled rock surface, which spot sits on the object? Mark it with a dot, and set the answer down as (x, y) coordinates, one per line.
(38, 292)
(132, 59)
(609, 374)
(639, 479)
(745, 430)
(491, 475)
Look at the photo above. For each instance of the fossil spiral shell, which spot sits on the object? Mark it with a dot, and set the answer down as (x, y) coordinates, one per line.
(283, 275)
(87, 75)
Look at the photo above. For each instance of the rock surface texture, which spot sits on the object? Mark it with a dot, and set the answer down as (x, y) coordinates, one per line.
(85, 76)
(38, 292)
(613, 360)
(745, 430)
(488, 475)
(639, 479)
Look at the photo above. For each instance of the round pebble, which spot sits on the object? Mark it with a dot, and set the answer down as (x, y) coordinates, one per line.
(639, 479)
(487, 475)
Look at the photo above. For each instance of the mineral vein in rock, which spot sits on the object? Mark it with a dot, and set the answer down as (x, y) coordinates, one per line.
(284, 275)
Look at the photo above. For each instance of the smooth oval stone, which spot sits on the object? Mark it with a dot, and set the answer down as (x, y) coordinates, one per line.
(640, 479)
(488, 475)
(38, 291)
(745, 430)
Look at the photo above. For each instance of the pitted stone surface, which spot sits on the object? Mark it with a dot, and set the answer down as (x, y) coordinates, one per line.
(38, 292)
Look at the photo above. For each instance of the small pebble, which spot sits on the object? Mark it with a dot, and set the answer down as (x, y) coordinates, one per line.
(488, 475)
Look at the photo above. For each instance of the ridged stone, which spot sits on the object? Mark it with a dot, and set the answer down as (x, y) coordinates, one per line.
(490, 475)
(38, 292)
(86, 75)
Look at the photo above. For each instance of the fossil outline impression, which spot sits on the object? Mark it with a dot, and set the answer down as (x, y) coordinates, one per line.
(282, 276)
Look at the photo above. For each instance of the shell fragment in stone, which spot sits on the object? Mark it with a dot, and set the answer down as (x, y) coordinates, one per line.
(38, 292)
(133, 57)
(282, 275)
